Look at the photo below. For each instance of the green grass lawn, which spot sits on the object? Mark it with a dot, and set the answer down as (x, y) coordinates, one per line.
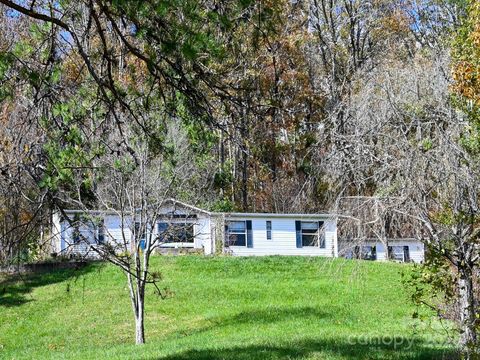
(220, 308)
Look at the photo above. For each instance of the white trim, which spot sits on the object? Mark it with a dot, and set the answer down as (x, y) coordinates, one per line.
(301, 217)
(238, 233)
(319, 230)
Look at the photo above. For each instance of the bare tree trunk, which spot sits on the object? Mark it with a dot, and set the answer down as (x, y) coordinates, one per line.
(245, 181)
(138, 304)
(468, 336)
(140, 316)
(139, 324)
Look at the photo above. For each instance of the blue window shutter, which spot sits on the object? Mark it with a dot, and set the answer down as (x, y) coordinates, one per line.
(321, 235)
(249, 234)
(298, 230)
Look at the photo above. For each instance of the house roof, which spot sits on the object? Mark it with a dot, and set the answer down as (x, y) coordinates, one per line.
(169, 201)
(185, 205)
(180, 204)
(279, 215)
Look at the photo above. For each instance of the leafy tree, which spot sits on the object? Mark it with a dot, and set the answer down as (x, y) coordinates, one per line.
(103, 83)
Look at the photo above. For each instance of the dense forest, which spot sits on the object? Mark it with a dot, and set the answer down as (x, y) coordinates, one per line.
(264, 106)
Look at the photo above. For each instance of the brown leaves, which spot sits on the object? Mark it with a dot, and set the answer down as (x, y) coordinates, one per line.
(466, 65)
(466, 77)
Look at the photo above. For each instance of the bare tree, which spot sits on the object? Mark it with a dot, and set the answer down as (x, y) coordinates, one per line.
(136, 195)
(366, 219)
(408, 144)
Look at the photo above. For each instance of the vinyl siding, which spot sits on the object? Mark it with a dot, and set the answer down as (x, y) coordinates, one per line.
(114, 234)
(120, 234)
(203, 234)
(283, 240)
(56, 240)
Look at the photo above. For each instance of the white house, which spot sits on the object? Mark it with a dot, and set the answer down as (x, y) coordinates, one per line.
(180, 225)
(184, 226)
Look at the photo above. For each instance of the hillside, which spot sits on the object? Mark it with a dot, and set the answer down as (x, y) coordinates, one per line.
(220, 308)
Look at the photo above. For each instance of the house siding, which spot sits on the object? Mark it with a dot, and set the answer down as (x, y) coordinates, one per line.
(208, 232)
(416, 248)
(203, 234)
(283, 240)
(56, 232)
(115, 232)
(120, 234)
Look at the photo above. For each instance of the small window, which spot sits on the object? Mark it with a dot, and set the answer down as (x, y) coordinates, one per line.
(76, 234)
(269, 230)
(356, 252)
(369, 252)
(406, 254)
(236, 233)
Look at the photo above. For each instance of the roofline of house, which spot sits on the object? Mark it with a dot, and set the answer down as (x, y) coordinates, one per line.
(116, 212)
(357, 241)
(280, 215)
(225, 214)
(174, 201)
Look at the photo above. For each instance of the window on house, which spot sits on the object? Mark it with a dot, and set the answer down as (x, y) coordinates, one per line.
(176, 232)
(76, 229)
(76, 233)
(406, 254)
(181, 233)
(399, 253)
(312, 234)
(369, 252)
(269, 230)
(236, 233)
(356, 252)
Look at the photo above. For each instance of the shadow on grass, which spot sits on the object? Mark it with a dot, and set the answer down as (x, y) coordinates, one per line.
(273, 314)
(352, 348)
(260, 316)
(367, 347)
(15, 289)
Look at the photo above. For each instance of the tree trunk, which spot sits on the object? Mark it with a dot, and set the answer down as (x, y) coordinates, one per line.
(468, 336)
(245, 181)
(139, 323)
(140, 313)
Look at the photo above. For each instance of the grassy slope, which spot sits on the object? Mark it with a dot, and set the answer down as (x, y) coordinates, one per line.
(220, 308)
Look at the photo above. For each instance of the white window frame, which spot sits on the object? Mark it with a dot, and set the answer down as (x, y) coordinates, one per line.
(319, 232)
(392, 253)
(237, 232)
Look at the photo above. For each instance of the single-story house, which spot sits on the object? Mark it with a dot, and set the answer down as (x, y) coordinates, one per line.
(180, 225)
(183, 226)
